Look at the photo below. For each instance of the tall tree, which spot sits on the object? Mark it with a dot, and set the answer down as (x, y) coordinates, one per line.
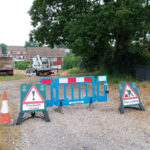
(110, 33)
(4, 48)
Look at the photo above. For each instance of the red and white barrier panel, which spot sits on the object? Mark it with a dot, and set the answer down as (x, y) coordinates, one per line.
(46, 81)
(75, 80)
(102, 78)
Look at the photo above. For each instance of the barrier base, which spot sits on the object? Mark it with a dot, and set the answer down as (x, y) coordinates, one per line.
(33, 115)
(141, 107)
(90, 104)
(121, 108)
(60, 109)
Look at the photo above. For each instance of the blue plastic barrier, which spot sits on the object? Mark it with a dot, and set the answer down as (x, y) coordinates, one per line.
(62, 83)
(74, 80)
(102, 97)
(49, 82)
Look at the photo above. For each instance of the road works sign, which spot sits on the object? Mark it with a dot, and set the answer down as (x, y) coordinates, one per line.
(129, 95)
(33, 97)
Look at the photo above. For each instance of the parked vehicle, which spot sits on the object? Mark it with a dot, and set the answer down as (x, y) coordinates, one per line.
(6, 65)
(41, 65)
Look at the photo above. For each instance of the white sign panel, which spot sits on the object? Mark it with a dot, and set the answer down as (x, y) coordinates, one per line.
(131, 102)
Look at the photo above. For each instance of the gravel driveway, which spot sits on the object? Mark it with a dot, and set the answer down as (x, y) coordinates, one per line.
(103, 128)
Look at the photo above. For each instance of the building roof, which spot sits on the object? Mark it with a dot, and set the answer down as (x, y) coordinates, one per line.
(44, 51)
(16, 48)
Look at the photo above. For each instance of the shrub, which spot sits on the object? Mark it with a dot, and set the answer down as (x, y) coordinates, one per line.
(22, 65)
(76, 71)
(71, 61)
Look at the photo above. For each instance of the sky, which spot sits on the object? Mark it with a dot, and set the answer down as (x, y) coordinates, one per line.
(15, 22)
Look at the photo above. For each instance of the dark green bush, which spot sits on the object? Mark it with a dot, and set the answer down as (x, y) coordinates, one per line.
(71, 61)
(22, 65)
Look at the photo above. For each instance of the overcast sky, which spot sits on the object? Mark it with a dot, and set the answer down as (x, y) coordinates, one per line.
(15, 22)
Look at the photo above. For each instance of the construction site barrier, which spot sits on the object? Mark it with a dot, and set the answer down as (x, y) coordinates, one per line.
(88, 90)
(102, 80)
(49, 82)
(72, 81)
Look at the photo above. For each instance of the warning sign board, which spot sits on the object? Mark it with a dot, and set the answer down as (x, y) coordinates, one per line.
(33, 97)
(129, 95)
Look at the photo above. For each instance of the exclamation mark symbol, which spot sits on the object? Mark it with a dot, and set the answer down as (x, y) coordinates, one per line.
(33, 93)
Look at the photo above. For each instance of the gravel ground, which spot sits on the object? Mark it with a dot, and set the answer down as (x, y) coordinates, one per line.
(103, 128)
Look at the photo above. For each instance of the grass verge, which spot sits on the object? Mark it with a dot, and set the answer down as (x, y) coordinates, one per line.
(112, 78)
(9, 134)
(14, 77)
(8, 137)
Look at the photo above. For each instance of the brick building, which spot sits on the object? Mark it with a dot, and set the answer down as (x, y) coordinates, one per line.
(19, 53)
(55, 55)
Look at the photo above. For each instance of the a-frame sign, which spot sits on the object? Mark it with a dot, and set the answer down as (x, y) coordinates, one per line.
(33, 100)
(129, 95)
(33, 97)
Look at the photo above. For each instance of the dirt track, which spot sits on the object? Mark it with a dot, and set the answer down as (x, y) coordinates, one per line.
(81, 129)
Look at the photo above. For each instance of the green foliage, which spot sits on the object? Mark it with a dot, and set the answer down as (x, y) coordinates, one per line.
(76, 71)
(61, 46)
(104, 35)
(71, 61)
(115, 77)
(22, 65)
(4, 48)
(112, 78)
(31, 44)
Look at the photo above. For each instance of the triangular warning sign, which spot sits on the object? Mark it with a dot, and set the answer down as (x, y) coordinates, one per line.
(33, 96)
(129, 93)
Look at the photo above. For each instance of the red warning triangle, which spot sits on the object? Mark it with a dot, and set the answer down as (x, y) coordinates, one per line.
(129, 93)
(33, 96)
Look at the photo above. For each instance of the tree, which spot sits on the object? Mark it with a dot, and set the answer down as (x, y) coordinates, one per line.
(61, 46)
(31, 44)
(4, 48)
(50, 17)
(110, 34)
(71, 61)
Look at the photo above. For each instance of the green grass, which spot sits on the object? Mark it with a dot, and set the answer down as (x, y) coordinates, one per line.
(76, 71)
(14, 77)
(112, 78)
(120, 78)
(8, 136)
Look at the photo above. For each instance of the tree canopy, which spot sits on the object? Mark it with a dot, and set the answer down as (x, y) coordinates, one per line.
(4, 48)
(112, 34)
(31, 44)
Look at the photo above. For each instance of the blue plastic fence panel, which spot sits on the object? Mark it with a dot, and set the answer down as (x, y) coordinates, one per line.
(65, 81)
(102, 95)
(49, 82)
